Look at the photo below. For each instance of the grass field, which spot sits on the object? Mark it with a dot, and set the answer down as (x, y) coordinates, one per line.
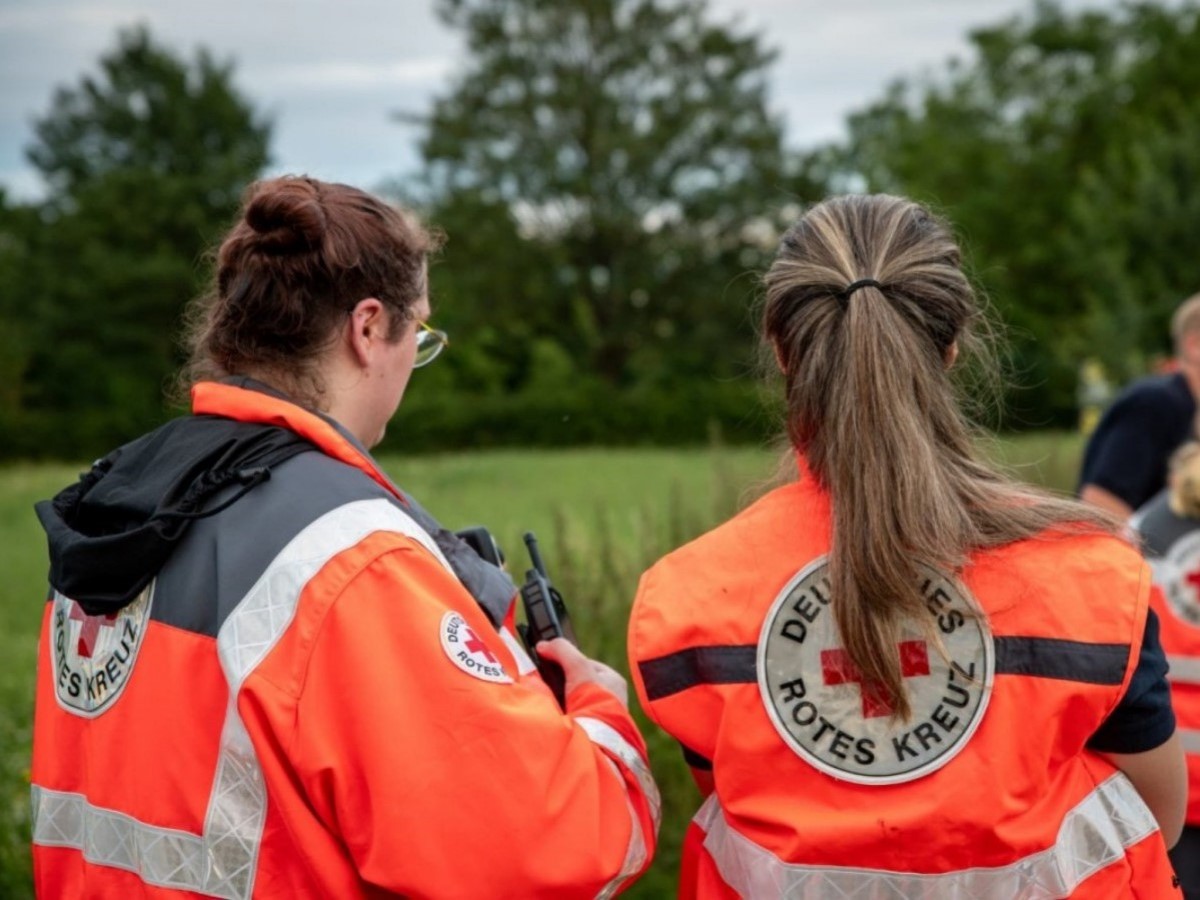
(601, 516)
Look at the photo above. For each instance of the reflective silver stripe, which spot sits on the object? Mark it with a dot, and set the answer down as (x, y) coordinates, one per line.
(604, 735)
(222, 862)
(163, 857)
(238, 805)
(1190, 739)
(1093, 835)
(635, 851)
(1184, 669)
(262, 616)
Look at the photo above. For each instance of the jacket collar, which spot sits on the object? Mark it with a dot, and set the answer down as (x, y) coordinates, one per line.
(247, 400)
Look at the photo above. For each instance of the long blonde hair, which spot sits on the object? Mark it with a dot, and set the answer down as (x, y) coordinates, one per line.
(872, 407)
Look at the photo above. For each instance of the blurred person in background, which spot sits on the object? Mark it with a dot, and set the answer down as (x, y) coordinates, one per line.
(902, 674)
(264, 670)
(1125, 461)
(1169, 529)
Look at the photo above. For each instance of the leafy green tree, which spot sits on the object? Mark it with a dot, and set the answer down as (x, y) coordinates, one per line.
(1133, 220)
(605, 170)
(144, 162)
(16, 222)
(1060, 153)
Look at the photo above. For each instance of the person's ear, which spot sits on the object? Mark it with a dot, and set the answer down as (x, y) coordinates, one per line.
(952, 354)
(779, 357)
(368, 326)
(1189, 347)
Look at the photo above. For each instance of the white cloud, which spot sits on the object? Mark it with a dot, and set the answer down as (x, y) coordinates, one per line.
(21, 183)
(35, 18)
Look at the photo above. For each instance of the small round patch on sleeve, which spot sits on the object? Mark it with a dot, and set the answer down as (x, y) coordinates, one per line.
(467, 650)
(830, 716)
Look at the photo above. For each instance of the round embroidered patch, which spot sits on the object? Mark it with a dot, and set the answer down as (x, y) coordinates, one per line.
(468, 651)
(93, 656)
(827, 714)
(1178, 573)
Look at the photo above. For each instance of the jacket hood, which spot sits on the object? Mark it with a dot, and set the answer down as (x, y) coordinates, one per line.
(112, 531)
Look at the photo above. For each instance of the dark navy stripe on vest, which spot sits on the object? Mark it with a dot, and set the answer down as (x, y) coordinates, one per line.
(698, 665)
(1036, 657)
(695, 760)
(1062, 659)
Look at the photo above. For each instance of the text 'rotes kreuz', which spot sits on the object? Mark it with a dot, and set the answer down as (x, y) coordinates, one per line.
(840, 723)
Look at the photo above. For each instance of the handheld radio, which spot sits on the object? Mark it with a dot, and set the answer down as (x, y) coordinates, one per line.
(546, 618)
(546, 614)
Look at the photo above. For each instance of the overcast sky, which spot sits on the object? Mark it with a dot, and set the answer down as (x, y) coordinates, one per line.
(329, 71)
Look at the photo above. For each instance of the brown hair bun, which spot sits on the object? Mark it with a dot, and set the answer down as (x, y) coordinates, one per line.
(287, 216)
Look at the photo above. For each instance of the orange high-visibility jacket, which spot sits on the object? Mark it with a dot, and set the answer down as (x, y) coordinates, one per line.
(307, 703)
(1172, 544)
(816, 791)
(1181, 642)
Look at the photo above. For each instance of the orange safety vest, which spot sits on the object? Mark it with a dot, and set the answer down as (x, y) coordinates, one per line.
(988, 791)
(1181, 643)
(351, 724)
(1172, 544)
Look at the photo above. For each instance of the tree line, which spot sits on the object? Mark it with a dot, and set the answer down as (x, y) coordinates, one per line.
(612, 181)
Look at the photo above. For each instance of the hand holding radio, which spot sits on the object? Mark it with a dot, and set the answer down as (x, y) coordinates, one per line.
(546, 632)
(578, 669)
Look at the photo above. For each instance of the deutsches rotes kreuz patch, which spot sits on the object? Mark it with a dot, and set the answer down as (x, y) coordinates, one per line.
(1178, 572)
(821, 707)
(468, 651)
(93, 656)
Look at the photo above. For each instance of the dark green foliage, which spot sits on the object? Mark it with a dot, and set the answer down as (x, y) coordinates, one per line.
(1066, 155)
(609, 178)
(16, 223)
(145, 163)
(612, 183)
(581, 413)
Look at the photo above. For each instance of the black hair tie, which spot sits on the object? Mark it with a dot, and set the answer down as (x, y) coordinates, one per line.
(855, 285)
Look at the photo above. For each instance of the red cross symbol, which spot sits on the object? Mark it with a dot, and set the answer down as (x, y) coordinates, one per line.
(475, 645)
(837, 668)
(90, 629)
(1193, 578)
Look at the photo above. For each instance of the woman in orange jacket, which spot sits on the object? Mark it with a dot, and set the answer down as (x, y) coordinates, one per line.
(1169, 529)
(265, 671)
(902, 674)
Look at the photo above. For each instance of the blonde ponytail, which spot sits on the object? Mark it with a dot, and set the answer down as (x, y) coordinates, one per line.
(873, 409)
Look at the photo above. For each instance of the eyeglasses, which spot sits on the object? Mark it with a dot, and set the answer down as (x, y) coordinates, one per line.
(430, 342)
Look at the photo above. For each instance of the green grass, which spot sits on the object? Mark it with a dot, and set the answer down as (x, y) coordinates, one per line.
(22, 595)
(601, 517)
(1049, 458)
